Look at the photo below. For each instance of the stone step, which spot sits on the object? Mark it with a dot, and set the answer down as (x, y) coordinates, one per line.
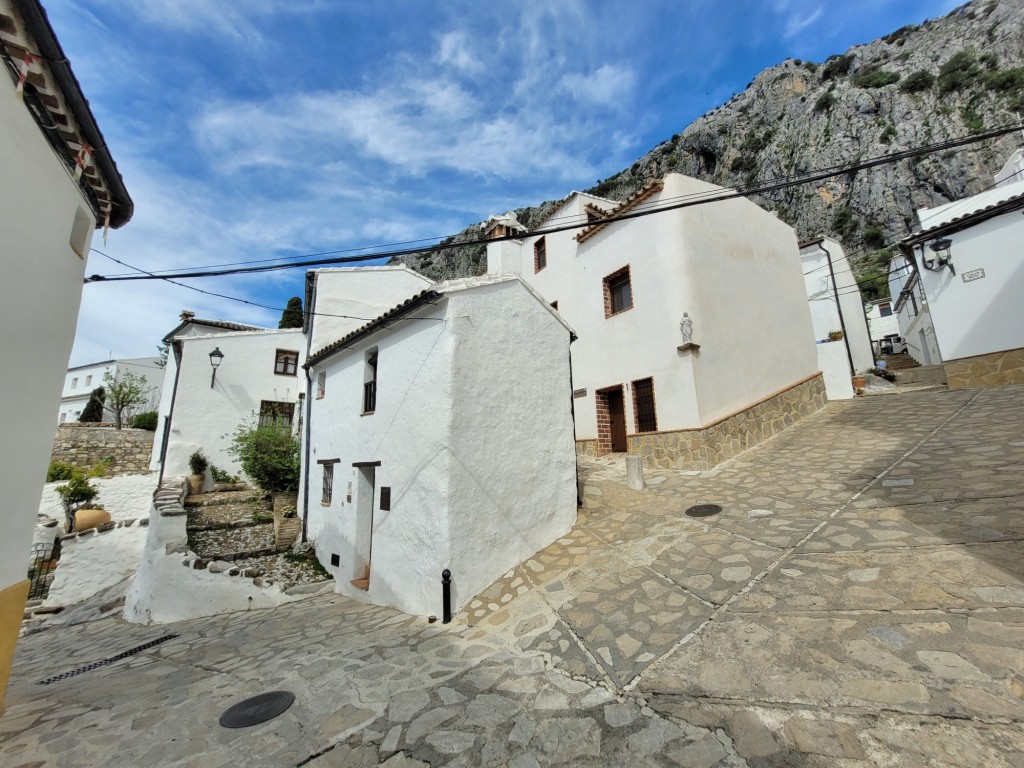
(233, 543)
(226, 516)
(224, 497)
(900, 362)
(924, 374)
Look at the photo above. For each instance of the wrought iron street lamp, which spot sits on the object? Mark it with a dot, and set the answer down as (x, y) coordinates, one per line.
(216, 357)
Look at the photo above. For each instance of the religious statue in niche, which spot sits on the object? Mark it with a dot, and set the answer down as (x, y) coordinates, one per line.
(686, 329)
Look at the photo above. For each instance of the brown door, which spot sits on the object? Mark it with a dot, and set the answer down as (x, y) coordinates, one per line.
(617, 417)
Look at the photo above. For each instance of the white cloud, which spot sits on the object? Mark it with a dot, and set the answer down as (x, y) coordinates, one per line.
(798, 21)
(608, 85)
(454, 49)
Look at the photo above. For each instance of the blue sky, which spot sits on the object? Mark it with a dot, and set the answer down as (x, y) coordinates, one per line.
(262, 129)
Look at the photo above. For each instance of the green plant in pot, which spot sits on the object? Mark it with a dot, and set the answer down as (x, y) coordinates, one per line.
(269, 456)
(197, 465)
(74, 495)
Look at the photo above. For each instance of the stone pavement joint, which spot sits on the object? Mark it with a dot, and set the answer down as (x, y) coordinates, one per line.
(825, 617)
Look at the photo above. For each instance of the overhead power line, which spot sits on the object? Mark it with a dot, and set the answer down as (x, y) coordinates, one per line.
(702, 199)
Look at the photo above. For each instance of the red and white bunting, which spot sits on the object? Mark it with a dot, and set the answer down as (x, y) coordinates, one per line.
(82, 161)
(26, 64)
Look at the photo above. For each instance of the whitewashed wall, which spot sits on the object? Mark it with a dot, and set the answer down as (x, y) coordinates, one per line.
(93, 562)
(205, 417)
(983, 315)
(125, 497)
(408, 434)
(879, 326)
(347, 299)
(822, 299)
(835, 370)
(732, 266)
(512, 455)
(36, 218)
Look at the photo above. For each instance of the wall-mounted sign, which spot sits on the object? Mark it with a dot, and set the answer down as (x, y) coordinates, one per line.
(974, 274)
(579, 392)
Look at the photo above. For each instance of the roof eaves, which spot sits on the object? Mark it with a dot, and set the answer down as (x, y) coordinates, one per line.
(426, 296)
(652, 187)
(966, 221)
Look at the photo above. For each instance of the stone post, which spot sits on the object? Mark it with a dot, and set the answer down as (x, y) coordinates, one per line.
(635, 472)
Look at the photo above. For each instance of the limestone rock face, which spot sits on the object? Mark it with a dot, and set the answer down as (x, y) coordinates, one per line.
(949, 77)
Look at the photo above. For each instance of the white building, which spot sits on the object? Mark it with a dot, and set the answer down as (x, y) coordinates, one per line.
(60, 184)
(258, 375)
(967, 260)
(440, 436)
(911, 308)
(687, 320)
(83, 379)
(836, 306)
(882, 323)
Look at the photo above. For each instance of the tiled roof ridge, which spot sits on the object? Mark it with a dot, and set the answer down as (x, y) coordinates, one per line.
(651, 187)
(980, 214)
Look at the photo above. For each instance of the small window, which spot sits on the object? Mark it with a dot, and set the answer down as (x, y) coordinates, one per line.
(328, 489)
(540, 255)
(74, 382)
(321, 385)
(370, 382)
(88, 380)
(276, 414)
(618, 292)
(643, 405)
(884, 309)
(63, 418)
(286, 363)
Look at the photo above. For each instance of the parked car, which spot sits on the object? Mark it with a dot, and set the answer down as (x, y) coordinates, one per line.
(893, 345)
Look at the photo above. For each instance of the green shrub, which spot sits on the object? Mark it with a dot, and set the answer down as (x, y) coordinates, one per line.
(875, 78)
(59, 471)
(960, 70)
(269, 456)
(874, 236)
(837, 66)
(197, 463)
(220, 476)
(145, 421)
(888, 134)
(93, 411)
(77, 492)
(825, 102)
(1005, 81)
(918, 81)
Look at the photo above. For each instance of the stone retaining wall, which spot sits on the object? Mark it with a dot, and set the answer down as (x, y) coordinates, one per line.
(84, 445)
(706, 447)
(992, 370)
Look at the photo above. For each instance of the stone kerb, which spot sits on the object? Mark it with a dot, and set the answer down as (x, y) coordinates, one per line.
(103, 528)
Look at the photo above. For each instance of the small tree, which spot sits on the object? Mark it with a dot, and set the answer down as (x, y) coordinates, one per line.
(291, 317)
(162, 352)
(75, 494)
(125, 393)
(93, 410)
(269, 455)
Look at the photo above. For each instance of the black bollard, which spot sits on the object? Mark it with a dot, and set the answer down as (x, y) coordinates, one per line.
(446, 595)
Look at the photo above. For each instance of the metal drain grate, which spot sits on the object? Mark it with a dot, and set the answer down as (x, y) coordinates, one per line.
(105, 662)
(257, 709)
(703, 510)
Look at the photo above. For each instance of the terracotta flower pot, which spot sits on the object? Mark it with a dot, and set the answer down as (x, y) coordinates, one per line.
(195, 484)
(859, 382)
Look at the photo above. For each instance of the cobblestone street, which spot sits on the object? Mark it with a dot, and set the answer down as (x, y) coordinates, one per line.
(858, 601)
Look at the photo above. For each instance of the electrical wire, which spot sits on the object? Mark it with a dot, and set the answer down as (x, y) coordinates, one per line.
(718, 196)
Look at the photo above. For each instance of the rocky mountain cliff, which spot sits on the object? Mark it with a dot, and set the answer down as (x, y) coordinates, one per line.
(949, 77)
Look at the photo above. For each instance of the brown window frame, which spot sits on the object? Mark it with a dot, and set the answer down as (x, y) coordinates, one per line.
(648, 421)
(321, 385)
(281, 362)
(611, 283)
(370, 382)
(540, 254)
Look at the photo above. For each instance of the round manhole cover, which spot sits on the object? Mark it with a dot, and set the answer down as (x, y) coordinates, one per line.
(703, 510)
(257, 710)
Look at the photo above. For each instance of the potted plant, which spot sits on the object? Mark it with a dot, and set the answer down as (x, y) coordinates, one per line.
(197, 465)
(74, 495)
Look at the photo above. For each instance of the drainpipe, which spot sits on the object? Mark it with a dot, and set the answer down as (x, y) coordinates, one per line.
(572, 411)
(309, 410)
(178, 350)
(839, 308)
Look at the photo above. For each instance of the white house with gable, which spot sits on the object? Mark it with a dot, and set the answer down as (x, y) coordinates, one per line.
(83, 379)
(836, 306)
(257, 375)
(59, 184)
(695, 337)
(440, 436)
(966, 266)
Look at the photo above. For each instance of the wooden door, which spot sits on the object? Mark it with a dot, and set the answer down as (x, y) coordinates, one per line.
(617, 418)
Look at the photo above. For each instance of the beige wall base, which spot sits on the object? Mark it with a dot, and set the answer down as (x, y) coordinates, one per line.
(12, 609)
(995, 369)
(706, 447)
